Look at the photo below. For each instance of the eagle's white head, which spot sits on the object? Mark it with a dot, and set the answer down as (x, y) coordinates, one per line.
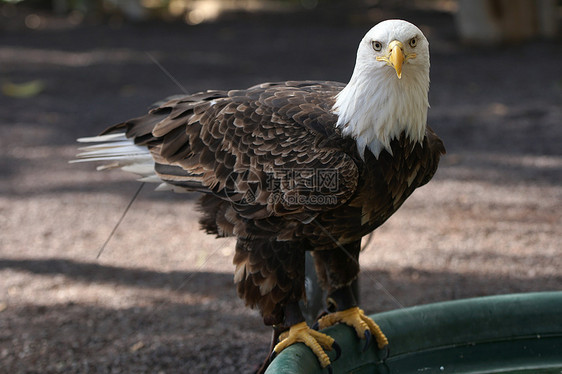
(387, 93)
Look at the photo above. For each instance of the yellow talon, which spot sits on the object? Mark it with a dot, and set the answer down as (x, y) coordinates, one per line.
(316, 341)
(357, 319)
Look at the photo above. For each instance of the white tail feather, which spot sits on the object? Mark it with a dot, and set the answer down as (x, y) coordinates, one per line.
(150, 179)
(146, 170)
(103, 138)
(117, 151)
(170, 187)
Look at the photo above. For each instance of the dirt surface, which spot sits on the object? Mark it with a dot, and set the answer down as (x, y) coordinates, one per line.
(160, 299)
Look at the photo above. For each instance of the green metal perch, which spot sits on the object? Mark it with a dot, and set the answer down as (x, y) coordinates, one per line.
(517, 333)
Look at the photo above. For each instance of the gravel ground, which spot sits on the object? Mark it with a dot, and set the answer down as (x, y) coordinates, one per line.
(160, 299)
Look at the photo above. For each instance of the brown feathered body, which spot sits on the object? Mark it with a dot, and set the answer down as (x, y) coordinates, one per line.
(276, 173)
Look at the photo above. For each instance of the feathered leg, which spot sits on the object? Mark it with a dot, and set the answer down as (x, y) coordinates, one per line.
(337, 269)
(270, 276)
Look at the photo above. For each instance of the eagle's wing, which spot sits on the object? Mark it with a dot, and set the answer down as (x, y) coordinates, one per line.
(271, 150)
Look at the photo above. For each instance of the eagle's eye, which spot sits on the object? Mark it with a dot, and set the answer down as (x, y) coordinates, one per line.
(377, 46)
(413, 42)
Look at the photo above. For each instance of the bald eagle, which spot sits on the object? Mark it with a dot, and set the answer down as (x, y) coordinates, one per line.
(291, 167)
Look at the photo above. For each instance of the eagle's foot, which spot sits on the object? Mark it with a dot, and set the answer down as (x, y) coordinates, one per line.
(364, 326)
(316, 341)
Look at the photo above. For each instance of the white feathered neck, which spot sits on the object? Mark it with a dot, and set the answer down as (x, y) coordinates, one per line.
(376, 107)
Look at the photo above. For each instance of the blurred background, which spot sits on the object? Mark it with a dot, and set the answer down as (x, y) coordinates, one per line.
(160, 298)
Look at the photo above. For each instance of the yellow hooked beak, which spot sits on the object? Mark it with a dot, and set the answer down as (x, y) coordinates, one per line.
(396, 57)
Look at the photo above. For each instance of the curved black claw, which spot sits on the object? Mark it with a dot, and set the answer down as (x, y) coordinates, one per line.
(272, 356)
(315, 326)
(337, 348)
(368, 336)
(385, 352)
(330, 371)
